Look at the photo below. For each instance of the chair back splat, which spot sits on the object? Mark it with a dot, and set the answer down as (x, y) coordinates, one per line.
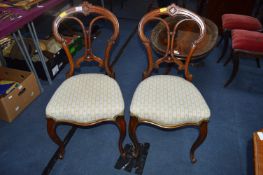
(86, 9)
(170, 55)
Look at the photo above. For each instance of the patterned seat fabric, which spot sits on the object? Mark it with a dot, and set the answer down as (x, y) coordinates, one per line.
(86, 98)
(168, 101)
(235, 21)
(247, 40)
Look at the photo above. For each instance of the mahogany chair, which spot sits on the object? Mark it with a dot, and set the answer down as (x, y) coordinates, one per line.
(236, 21)
(168, 101)
(244, 42)
(86, 99)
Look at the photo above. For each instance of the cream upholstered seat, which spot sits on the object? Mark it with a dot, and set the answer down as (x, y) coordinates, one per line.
(168, 101)
(86, 98)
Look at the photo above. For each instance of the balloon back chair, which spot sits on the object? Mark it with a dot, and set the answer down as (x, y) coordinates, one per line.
(168, 101)
(86, 99)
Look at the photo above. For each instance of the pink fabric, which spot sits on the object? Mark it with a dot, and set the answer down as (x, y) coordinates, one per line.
(234, 21)
(247, 40)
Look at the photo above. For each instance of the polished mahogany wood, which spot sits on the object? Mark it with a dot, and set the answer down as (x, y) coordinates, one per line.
(258, 153)
(88, 56)
(170, 56)
(103, 14)
(199, 140)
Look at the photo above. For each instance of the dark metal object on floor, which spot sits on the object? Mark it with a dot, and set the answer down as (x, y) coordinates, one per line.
(55, 157)
(130, 162)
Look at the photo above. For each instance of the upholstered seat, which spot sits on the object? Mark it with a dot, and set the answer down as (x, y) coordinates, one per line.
(86, 98)
(244, 42)
(236, 21)
(247, 40)
(168, 101)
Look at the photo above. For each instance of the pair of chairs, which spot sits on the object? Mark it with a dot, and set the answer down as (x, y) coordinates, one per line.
(163, 100)
(246, 37)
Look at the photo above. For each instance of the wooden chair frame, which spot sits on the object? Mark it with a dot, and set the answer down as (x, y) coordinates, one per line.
(169, 57)
(235, 57)
(88, 56)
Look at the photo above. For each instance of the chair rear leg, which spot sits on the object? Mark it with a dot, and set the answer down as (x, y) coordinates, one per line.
(120, 122)
(234, 71)
(258, 62)
(132, 133)
(226, 35)
(51, 129)
(229, 58)
(199, 140)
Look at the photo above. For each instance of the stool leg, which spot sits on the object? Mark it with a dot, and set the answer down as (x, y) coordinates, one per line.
(120, 122)
(258, 62)
(235, 69)
(51, 129)
(199, 140)
(132, 133)
(226, 35)
(229, 58)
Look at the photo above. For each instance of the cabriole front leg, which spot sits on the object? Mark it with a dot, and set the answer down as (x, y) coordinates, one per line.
(132, 133)
(120, 122)
(51, 129)
(199, 140)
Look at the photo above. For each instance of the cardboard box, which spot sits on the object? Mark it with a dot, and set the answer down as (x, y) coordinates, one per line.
(54, 64)
(17, 100)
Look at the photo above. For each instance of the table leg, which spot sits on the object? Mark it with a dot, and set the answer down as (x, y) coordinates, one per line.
(102, 3)
(2, 60)
(23, 49)
(33, 34)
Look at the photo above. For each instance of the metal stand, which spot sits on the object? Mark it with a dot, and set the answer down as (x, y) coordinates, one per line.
(23, 49)
(33, 34)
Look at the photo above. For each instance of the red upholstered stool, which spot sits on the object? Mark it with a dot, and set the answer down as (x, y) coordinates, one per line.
(244, 42)
(235, 21)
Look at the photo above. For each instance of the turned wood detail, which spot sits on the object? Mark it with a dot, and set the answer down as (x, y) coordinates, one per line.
(170, 55)
(88, 56)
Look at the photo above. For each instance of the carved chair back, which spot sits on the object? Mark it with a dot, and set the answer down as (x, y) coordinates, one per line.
(170, 55)
(87, 9)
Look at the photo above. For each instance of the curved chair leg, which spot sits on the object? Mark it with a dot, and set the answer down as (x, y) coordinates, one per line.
(220, 40)
(258, 62)
(51, 129)
(132, 133)
(225, 38)
(199, 140)
(120, 122)
(229, 58)
(234, 71)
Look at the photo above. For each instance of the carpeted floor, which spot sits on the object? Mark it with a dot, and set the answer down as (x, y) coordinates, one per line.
(25, 147)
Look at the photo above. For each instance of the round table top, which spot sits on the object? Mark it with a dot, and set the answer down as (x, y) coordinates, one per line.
(187, 32)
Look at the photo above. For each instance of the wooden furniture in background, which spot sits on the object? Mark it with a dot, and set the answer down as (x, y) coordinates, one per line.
(214, 9)
(258, 153)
